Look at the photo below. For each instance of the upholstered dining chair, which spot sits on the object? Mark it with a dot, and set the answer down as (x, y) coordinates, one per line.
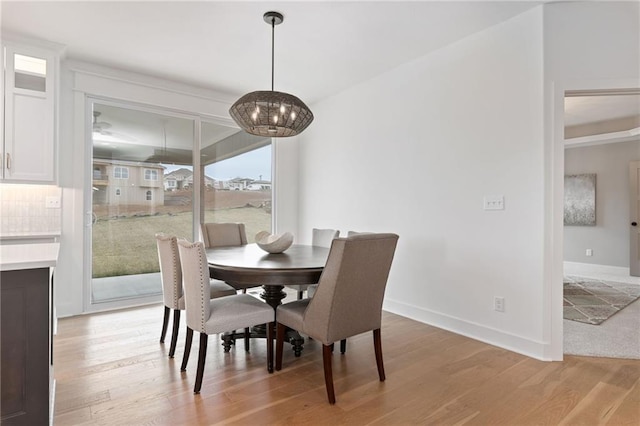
(223, 234)
(226, 234)
(172, 295)
(212, 316)
(348, 300)
(319, 238)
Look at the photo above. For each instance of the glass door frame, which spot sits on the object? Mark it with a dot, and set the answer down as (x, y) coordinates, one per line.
(88, 305)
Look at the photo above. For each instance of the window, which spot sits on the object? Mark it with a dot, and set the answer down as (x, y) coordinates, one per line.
(150, 174)
(149, 196)
(171, 184)
(118, 192)
(121, 172)
(233, 163)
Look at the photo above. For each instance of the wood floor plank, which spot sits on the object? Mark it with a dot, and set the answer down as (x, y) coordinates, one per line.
(628, 412)
(111, 370)
(605, 397)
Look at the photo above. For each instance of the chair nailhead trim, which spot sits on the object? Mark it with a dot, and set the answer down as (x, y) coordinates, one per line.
(202, 299)
(176, 280)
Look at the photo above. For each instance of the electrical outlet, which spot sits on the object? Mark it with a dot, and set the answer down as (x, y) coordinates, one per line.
(498, 304)
(52, 202)
(589, 252)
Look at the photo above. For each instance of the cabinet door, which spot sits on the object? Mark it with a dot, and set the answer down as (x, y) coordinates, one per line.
(24, 349)
(29, 133)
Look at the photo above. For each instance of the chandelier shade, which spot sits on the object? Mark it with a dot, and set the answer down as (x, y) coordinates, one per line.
(270, 113)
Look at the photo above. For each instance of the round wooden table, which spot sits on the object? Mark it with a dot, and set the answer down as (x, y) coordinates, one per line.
(250, 266)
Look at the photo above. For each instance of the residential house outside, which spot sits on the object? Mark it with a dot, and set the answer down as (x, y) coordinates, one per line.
(221, 185)
(259, 185)
(183, 179)
(127, 183)
(239, 184)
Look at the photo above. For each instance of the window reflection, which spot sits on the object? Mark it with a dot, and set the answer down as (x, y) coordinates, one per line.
(236, 174)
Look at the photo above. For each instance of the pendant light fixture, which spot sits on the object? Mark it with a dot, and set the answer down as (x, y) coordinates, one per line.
(271, 113)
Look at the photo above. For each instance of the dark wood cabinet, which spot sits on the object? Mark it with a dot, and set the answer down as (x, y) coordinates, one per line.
(25, 346)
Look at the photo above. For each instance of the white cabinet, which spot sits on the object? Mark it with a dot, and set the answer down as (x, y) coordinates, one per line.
(29, 137)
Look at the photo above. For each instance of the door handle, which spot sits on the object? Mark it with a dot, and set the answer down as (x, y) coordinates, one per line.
(634, 223)
(8, 161)
(89, 219)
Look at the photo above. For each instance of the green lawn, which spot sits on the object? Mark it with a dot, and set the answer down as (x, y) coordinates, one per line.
(126, 246)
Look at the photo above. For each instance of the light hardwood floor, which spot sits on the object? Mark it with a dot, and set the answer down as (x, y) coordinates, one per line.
(110, 369)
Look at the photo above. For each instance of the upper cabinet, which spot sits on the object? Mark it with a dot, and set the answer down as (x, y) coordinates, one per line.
(29, 152)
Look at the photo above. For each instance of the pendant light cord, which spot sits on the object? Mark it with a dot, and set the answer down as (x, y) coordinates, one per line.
(273, 31)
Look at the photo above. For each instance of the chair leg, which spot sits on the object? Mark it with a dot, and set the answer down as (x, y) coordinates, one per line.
(328, 373)
(187, 349)
(165, 323)
(343, 346)
(270, 327)
(280, 329)
(377, 345)
(247, 331)
(204, 339)
(174, 336)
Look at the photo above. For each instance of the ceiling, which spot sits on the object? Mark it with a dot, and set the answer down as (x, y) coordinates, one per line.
(321, 48)
(585, 109)
(601, 117)
(131, 134)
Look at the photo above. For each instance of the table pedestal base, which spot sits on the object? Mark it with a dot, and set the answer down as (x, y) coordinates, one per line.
(291, 336)
(272, 295)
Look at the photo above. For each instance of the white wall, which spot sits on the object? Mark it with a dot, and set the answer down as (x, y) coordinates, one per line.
(285, 180)
(452, 127)
(609, 239)
(414, 151)
(589, 41)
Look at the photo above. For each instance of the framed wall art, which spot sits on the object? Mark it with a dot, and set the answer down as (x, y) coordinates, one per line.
(580, 200)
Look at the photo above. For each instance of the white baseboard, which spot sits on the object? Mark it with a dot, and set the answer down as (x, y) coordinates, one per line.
(590, 269)
(492, 336)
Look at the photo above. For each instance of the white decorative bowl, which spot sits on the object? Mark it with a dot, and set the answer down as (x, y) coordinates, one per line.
(274, 243)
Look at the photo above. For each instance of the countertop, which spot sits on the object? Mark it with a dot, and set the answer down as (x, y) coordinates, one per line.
(28, 256)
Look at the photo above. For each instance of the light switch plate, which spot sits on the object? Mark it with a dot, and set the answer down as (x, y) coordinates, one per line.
(494, 202)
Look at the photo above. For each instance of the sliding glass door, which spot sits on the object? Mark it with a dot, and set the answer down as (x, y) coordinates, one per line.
(145, 179)
(142, 166)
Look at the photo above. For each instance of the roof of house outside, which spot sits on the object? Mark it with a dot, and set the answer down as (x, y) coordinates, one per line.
(184, 174)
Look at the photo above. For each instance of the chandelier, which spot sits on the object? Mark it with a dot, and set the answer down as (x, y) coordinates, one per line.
(271, 113)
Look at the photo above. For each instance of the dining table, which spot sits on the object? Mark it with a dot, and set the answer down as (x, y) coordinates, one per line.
(249, 266)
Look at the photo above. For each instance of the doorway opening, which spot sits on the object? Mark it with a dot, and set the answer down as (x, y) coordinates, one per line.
(602, 139)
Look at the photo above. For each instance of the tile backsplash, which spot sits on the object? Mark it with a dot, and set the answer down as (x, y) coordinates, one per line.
(24, 210)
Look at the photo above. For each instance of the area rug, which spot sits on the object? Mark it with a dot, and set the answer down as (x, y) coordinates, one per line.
(593, 301)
